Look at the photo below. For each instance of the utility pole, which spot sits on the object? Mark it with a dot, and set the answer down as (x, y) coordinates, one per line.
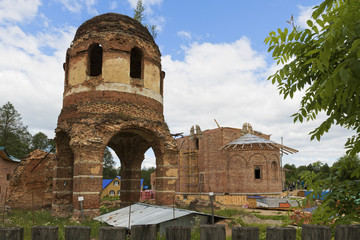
(281, 167)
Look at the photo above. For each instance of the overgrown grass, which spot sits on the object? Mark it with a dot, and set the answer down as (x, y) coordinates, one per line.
(262, 227)
(272, 217)
(107, 198)
(28, 219)
(228, 212)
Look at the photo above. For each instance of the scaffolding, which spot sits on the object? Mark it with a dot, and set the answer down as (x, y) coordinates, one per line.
(189, 175)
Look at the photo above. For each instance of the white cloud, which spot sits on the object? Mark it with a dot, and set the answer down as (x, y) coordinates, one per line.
(113, 5)
(227, 82)
(146, 3)
(185, 35)
(304, 16)
(76, 6)
(30, 78)
(18, 10)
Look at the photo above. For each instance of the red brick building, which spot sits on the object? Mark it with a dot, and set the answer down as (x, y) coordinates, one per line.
(7, 167)
(229, 161)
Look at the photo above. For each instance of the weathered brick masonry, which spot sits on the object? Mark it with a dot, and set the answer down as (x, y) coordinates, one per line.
(205, 167)
(7, 168)
(113, 97)
(31, 183)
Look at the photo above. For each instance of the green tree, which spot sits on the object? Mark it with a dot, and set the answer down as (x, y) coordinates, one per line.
(323, 60)
(41, 141)
(342, 201)
(140, 16)
(145, 174)
(14, 135)
(109, 170)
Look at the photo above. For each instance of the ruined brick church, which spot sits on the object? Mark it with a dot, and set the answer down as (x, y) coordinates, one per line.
(230, 162)
(113, 96)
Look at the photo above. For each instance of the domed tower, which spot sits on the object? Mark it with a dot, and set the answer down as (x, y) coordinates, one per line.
(113, 97)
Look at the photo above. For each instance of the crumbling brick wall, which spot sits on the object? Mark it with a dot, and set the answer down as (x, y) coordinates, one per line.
(6, 171)
(31, 183)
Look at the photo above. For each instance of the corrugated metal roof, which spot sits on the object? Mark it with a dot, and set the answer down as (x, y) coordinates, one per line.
(6, 156)
(250, 141)
(143, 214)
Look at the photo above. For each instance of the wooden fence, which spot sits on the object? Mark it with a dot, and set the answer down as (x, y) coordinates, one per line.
(207, 232)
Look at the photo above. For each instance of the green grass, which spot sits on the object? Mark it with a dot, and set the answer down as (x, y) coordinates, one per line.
(272, 217)
(107, 198)
(28, 219)
(227, 212)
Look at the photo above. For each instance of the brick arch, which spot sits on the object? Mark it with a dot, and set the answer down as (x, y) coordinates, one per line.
(274, 168)
(237, 176)
(259, 162)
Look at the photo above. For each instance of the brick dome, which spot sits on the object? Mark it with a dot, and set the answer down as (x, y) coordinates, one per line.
(114, 23)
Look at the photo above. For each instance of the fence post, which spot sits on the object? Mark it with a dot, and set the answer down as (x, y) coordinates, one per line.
(13, 233)
(280, 233)
(315, 232)
(349, 232)
(178, 233)
(143, 232)
(44, 233)
(112, 233)
(245, 233)
(213, 232)
(77, 233)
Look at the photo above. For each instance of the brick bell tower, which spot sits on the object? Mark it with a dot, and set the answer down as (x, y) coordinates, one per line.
(113, 97)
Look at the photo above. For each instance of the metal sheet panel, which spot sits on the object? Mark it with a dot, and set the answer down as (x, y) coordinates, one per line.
(145, 214)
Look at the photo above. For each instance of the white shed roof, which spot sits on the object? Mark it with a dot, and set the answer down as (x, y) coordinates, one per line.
(144, 214)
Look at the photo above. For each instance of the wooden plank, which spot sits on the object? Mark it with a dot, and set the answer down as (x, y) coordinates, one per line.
(44, 233)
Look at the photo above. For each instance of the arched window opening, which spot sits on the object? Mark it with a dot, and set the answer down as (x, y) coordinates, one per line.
(274, 170)
(95, 60)
(257, 172)
(136, 59)
(66, 69)
(116, 183)
(197, 145)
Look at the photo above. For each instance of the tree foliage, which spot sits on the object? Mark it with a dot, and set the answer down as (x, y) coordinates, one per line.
(14, 135)
(109, 170)
(41, 141)
(139, 15)
(294, 174)
(323, 60)
(145, 174)
(342, 202)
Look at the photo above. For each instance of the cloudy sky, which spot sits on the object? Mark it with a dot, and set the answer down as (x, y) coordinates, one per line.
(213, 53)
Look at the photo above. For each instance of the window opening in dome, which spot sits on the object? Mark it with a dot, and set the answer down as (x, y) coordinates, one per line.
(95, 60)
(136, 59)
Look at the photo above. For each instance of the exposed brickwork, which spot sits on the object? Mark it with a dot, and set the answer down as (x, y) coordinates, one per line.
(111, 109)
(31, 184)
(203, 167)
(7, 169)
